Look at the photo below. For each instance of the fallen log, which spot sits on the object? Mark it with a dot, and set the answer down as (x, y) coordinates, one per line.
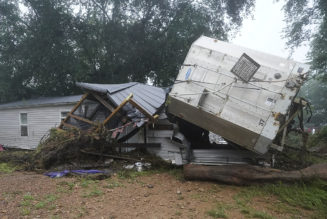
(248, 174)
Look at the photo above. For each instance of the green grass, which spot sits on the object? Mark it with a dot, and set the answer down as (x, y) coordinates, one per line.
(27, 200)
(64, 187)
(45, 202)
(82, 212)
(132, 174)
(219, 211)
(113, 184)
(93, 193)
(261, 215)
(40, 205)
(86, 182)
(69, 185)
(26, 211)
(6, 168)
(310, 196)
(243, 203)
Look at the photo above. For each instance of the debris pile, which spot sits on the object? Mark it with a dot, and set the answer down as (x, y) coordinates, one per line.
(65, 146)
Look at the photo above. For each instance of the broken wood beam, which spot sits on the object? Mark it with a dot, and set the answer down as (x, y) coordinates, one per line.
(142, 110)
(75, 108)
(83, 119)
(249, 174)
(103, 102)
(117, 109)
(289, 120)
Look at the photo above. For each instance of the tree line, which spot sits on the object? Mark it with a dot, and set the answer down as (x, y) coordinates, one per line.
(48, 45)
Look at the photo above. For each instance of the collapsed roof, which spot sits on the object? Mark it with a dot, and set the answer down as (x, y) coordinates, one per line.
(150, 98)
(112, 105)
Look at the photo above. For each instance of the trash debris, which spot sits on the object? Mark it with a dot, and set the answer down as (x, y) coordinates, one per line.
(129, 167)
(79, 172)
(138, 166)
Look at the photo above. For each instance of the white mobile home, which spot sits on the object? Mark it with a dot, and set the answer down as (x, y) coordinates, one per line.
(24, 123)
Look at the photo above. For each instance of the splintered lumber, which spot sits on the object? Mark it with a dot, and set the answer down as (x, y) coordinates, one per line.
(75, 108)
(249, 174)
(83, 119)
(117, 109)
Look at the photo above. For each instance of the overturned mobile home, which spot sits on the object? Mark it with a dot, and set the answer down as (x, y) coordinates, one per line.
(247, 97)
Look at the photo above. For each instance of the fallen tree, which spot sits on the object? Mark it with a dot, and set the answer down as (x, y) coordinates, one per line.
(249, 174)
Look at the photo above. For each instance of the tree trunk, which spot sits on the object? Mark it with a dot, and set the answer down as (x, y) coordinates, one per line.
(248, 174)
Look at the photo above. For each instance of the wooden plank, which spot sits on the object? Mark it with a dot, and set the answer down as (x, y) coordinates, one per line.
(75, 108)
(117, 109)
(142, 110)
(83, 119)
(289, 120)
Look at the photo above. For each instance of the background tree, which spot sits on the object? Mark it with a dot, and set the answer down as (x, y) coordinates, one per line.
(307, 22)
(48, 45)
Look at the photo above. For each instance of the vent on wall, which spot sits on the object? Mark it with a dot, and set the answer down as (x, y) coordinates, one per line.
(245, 68)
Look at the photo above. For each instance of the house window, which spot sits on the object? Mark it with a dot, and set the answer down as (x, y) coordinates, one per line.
(23, 124)
(63, 115)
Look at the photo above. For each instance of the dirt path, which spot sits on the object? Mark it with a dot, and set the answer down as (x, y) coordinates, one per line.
(156, 195)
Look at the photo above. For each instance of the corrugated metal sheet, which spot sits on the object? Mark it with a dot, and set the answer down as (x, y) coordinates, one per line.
(221, 156)
(42, 101)
(148, 97)
(104, 88)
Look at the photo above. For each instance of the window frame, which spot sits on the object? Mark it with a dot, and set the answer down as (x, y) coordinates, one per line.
(21, 124)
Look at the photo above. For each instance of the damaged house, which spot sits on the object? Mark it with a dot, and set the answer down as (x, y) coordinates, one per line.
(135, 115)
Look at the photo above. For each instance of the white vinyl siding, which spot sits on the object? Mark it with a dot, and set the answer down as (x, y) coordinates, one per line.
(39, 121)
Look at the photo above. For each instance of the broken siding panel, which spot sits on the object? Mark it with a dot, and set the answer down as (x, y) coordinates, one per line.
(40, 120)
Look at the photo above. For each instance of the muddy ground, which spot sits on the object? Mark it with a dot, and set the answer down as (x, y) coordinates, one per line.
(153, 194)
